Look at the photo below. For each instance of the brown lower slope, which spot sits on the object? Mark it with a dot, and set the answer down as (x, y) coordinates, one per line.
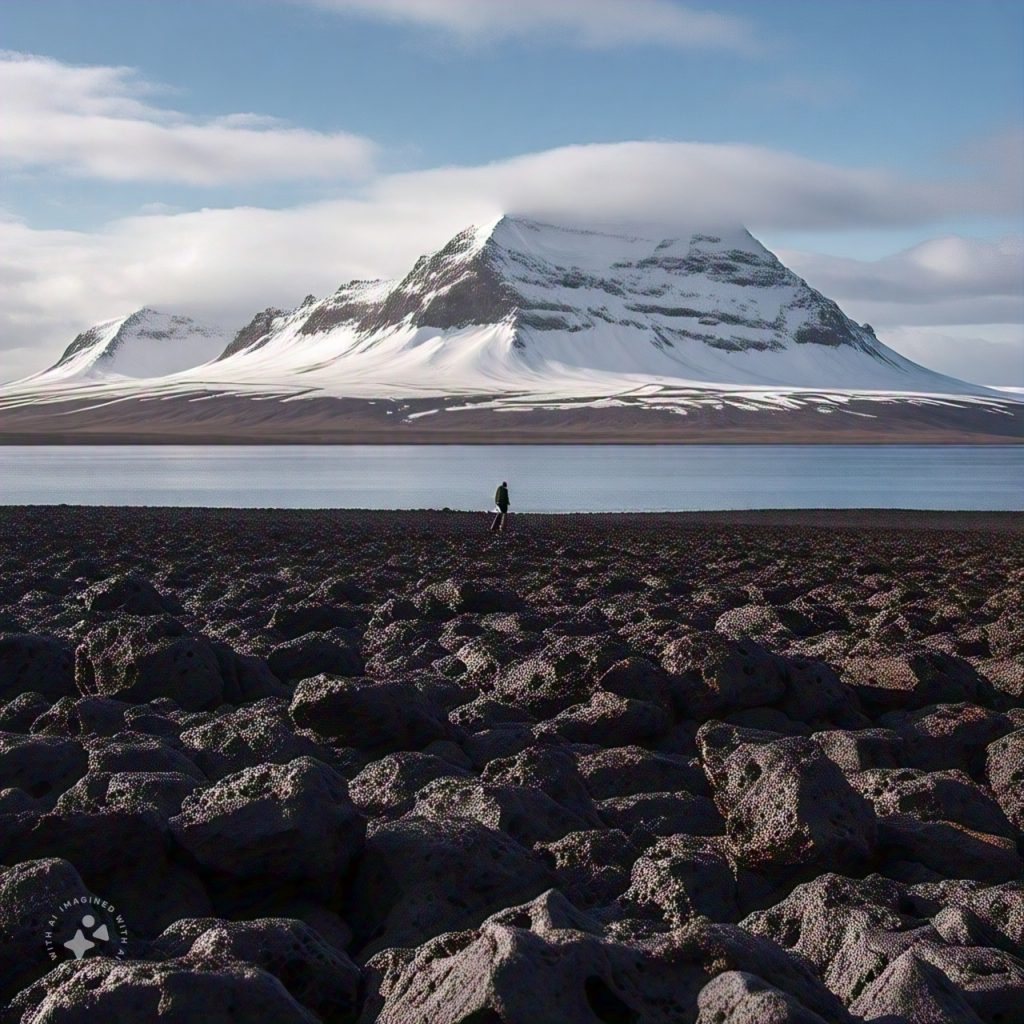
(233, 419)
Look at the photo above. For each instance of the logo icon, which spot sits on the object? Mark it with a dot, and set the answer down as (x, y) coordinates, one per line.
(86, 926)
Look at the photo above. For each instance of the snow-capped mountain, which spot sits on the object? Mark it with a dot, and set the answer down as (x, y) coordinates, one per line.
(595, 334)
(143, 344)
(517, 305)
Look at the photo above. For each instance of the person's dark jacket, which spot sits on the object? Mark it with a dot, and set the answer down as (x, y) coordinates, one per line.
(501, 497)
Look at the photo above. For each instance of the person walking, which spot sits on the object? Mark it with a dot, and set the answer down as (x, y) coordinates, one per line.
(501, 500)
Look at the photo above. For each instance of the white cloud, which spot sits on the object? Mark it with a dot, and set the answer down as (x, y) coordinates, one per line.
(226, 264)
(991, 354)
(587, 23)
(942, 281)
(100, 122)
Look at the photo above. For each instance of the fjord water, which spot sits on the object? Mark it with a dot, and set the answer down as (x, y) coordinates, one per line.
(542, 478)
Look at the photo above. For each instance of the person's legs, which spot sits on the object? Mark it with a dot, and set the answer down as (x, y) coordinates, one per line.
(496, 521)
(501, 525)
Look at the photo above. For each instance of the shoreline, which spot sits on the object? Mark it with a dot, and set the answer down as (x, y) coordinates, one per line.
(873, 519)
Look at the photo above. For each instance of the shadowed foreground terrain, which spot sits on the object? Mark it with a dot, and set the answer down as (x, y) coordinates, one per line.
(752, 768)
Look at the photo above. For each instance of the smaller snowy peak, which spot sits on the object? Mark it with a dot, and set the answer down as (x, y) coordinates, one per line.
(146, 343)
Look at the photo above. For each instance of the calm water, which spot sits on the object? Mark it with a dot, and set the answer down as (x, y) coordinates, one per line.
(541, 478)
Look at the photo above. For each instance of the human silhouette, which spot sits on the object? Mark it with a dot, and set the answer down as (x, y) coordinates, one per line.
(501, 500)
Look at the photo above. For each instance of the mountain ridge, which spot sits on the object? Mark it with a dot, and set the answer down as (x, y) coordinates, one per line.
(516, 315)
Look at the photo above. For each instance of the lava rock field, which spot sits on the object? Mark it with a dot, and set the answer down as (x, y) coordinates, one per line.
(343, 766)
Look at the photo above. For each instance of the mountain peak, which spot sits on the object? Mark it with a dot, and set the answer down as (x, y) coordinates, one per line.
(145, 343)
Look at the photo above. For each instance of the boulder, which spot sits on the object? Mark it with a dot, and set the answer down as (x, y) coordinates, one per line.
(314, 653)
(38, 664)
(101, 988)
(259, 733)
(42, 766)
(294, 620)
(548, 961)
(848, 929)
(30, 894)
(716, 675)
(932, 796)
(418, 878)
(142, 659)
(630, 770)
(786, 804)
(456, 597)
(1004, 768)
(19, 713)
(645, 816)
(946, 849)
(320, 977)
(276, 823)
(914, 990)
(129, 595)
(736, 997)
(387, 788)
(137, 752)
(914, 679)
(610, 721)
(83, 716)
(950, 736)
(371, 715)
(592, 867)
(526, 814)
(682, 876)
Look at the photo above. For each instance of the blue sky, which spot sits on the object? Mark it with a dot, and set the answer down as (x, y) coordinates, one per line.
(844, 133)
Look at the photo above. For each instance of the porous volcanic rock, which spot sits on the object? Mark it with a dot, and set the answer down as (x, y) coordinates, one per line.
(736, 768)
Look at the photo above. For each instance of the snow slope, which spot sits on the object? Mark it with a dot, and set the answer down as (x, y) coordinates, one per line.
(144, 344)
